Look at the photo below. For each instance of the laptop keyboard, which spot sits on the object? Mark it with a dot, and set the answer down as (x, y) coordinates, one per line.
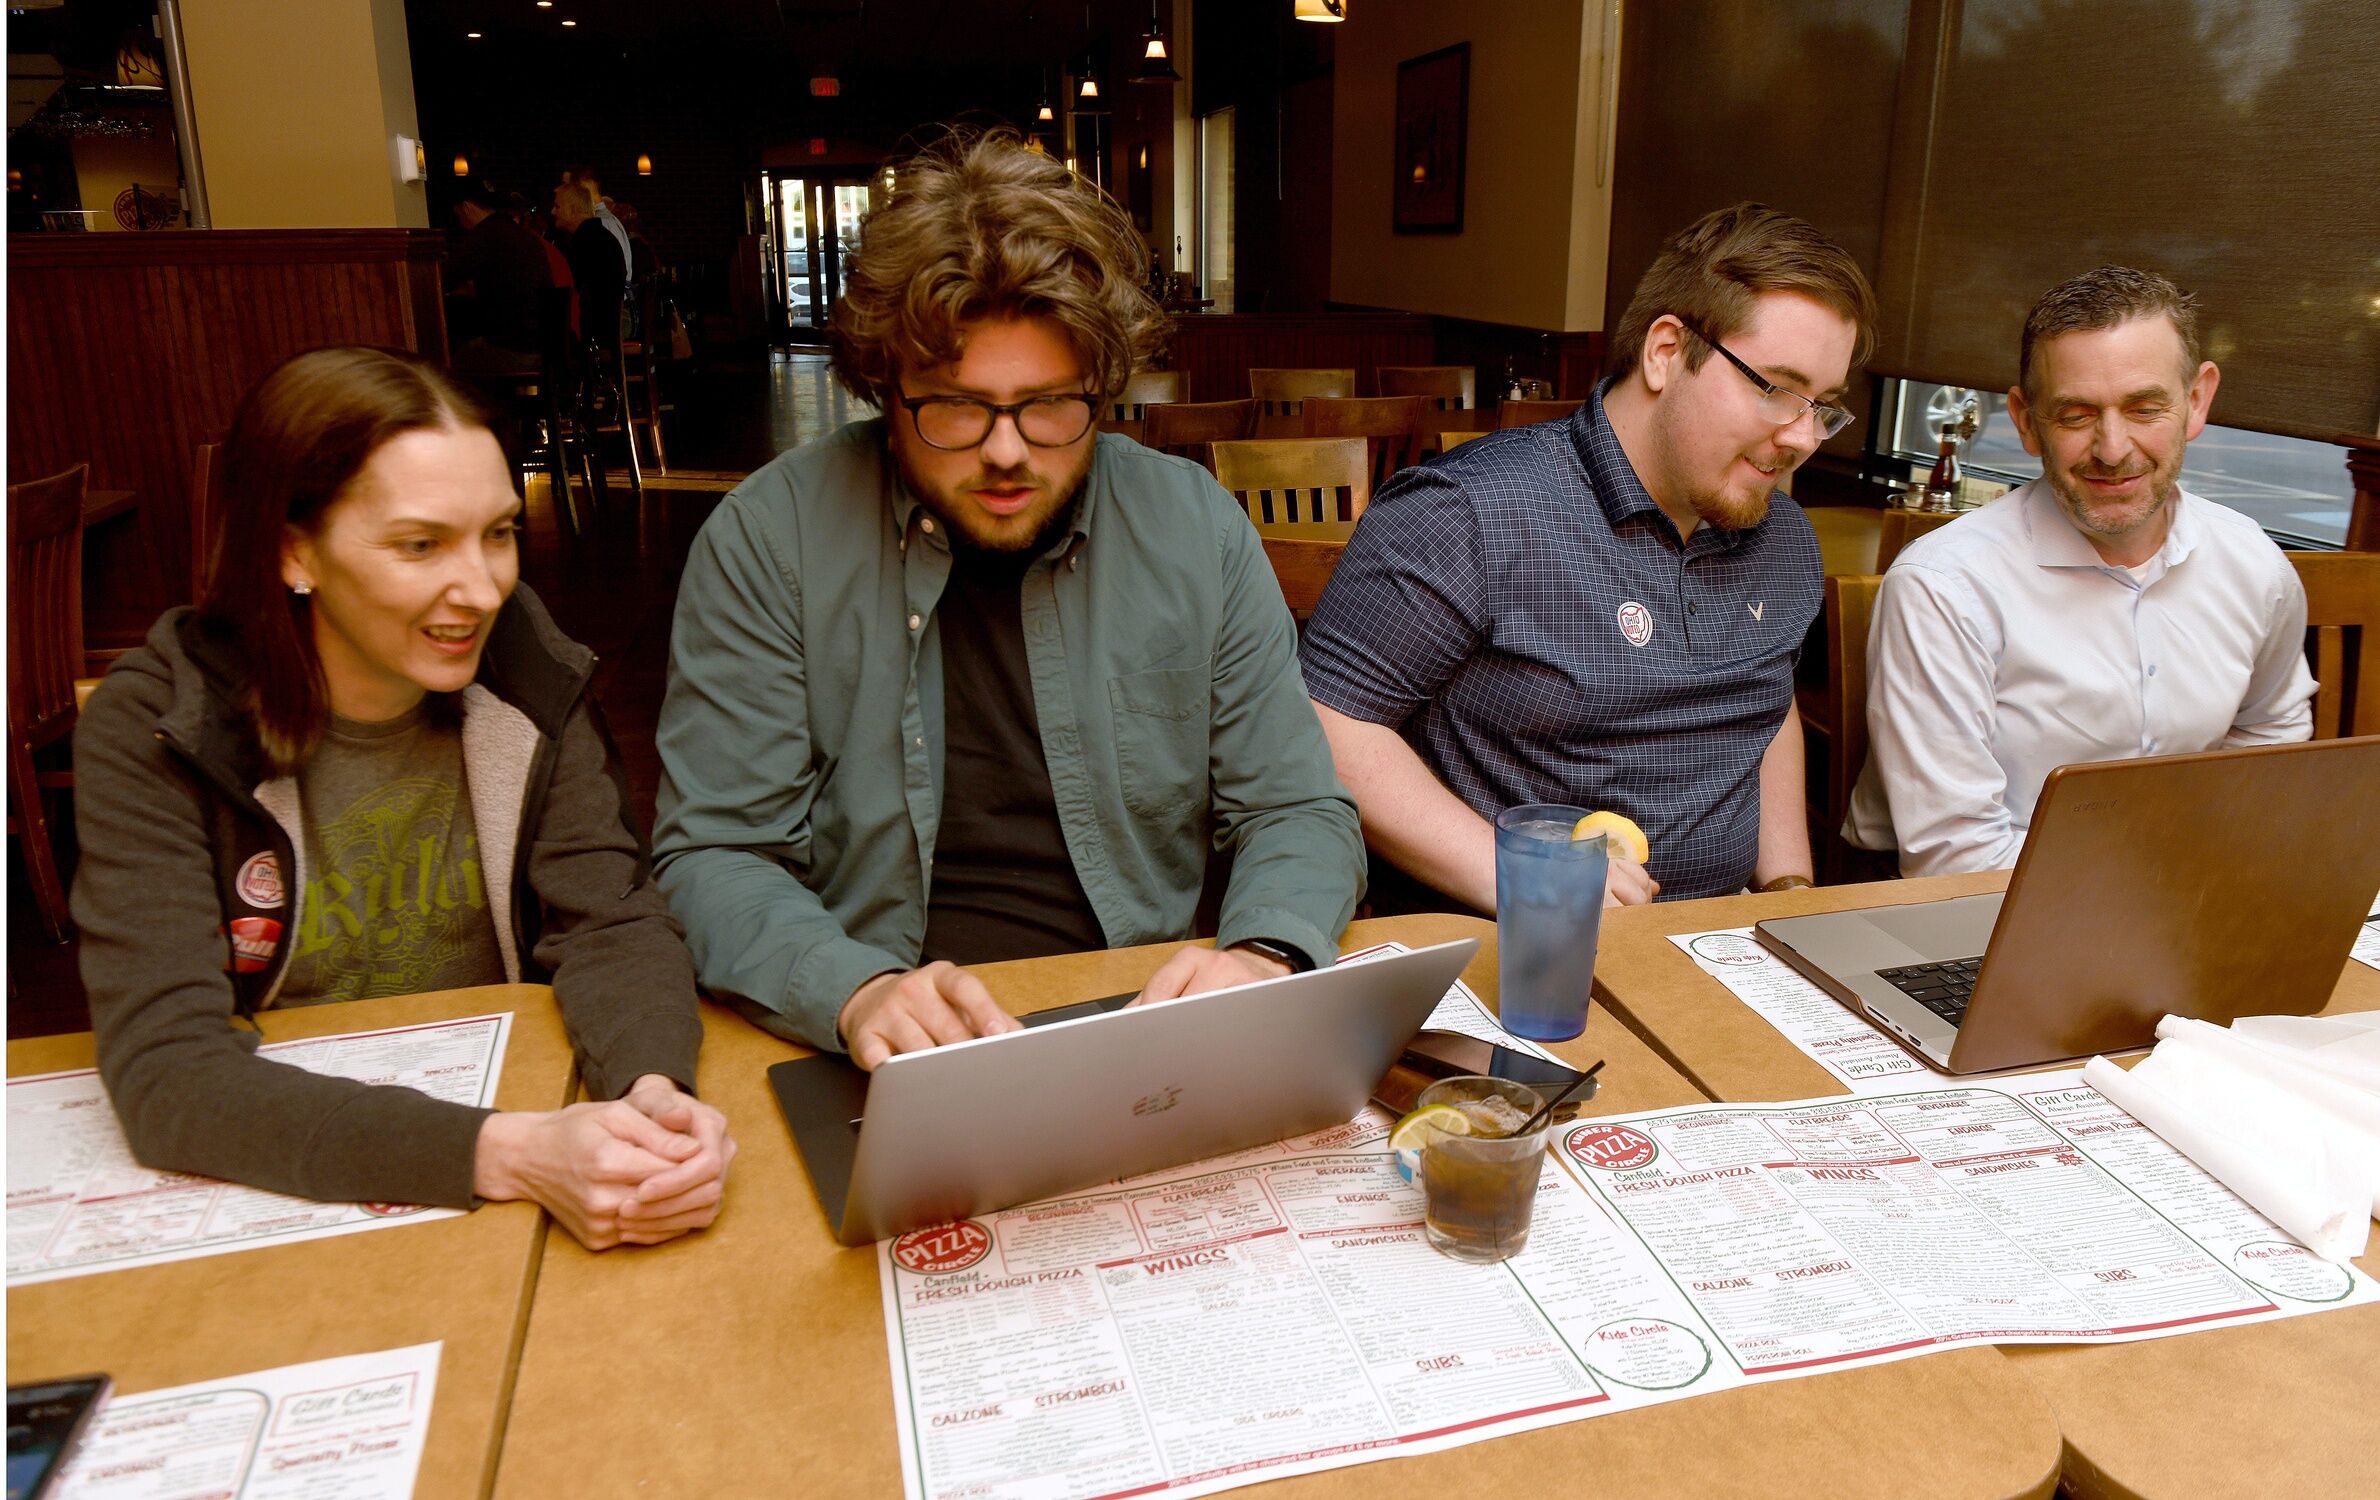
(1942, 988)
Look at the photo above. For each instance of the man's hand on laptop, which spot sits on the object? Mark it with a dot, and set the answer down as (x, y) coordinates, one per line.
(920, 1008)
(1194, 971)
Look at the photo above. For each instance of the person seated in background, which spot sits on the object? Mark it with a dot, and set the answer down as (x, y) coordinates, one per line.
(498, 287)
(1606, 610)
(598, 263)
(2099, 612)
(368, 765)
(970, 681)
(601, 207)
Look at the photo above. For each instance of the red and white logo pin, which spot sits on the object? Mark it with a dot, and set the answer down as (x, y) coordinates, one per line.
(253, 942)
(259, 882)
(1636, 623)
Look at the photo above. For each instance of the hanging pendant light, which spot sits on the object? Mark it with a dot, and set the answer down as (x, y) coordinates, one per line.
(644, 164)
(1322, 10)
(462, 164)
(1156, 65)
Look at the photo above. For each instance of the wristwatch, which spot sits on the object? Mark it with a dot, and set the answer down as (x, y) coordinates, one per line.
(1280, 953)
(1787, 883)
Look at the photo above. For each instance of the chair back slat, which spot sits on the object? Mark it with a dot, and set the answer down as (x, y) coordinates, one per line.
(1131, 427)
(1390, 424)
(1446, 387)
(1145, 389)
(1282, 394)
(45, 599)
(1522, 413)
(1303, 568)
(2342, 605)
(1297, 479)
(206, 520)
(1843, 716)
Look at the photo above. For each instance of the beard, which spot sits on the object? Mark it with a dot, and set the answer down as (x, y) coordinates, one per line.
(2111, 517)
(1732, 510)
(1027, 533)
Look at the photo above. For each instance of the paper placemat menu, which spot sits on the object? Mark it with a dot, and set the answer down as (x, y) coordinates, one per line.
(78, 1202)
(335, 1429)
(2367, 938)
(1279, 1311)
(1860, 1057)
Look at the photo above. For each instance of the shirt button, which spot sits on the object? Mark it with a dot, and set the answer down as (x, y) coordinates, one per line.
(2152, 671)
(926, 526)
(921, 742)
(915, 621)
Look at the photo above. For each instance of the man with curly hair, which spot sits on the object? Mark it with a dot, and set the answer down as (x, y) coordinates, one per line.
(971, 681)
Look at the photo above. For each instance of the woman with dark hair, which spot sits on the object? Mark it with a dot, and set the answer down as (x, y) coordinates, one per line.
(367, 765)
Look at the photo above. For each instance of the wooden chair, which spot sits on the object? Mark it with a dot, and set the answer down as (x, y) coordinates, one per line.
(1303, 566)
(1188, 428)
(1447, 387)
(45, 652)
(1269, 475)
(1282, 397)
(2342, 604)
(1145, 389)
(1448, 440)
(206, 521)
(1131, 427)
(1903, 526)
(1391, 425)
(1837, 713)
(1524, 413)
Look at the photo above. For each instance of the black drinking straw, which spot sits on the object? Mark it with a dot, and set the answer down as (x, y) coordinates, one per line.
(1576, 1084)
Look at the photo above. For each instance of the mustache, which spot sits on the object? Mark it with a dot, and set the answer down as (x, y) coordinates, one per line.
(2101, 471)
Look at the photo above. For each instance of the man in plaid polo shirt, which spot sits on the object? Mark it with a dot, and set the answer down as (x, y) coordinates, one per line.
(1606, 610)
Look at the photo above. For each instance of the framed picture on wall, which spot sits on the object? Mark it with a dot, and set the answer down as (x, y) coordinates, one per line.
(1433, 106)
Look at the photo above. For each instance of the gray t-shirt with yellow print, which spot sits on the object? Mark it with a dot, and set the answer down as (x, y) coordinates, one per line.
(395, 903)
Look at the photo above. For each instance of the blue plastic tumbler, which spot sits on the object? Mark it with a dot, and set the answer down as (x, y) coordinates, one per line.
(1549, 907)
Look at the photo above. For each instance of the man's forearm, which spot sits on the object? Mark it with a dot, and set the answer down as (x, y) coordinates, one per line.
(1408, 814)
(759, 934)
(1784, 808)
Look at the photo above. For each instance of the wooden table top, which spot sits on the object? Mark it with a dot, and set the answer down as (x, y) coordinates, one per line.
(465, 1281)
(751, 1358)
(2281, 1408)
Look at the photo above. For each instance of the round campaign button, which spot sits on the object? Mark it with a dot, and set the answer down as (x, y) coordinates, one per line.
(259, 882)
(253, 941)
(1610, 1148)
(943, 1249)
(1636, 623)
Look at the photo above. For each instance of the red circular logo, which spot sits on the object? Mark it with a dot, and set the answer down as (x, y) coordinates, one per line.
(259, 882)
(1610, 1148)
(942, 1249)
(253, 942)
(392, 1210)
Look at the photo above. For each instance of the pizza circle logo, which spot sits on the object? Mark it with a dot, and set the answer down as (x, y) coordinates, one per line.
(259, 882)
(392, 1210)
(1610, 1148)
(1636, 623)
(943, 1248)
(1727, 948)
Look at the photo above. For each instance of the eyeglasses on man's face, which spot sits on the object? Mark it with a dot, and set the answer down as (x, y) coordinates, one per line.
(958, 422)
(1779, 405)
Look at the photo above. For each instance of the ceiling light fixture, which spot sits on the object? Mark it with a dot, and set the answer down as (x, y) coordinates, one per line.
(473, 35)
(1322, 10)
(644, 164)
(1156, 66)
(462, 165)
(570, 23)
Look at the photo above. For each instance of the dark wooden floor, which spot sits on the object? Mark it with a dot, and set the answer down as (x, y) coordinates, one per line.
(613, 588)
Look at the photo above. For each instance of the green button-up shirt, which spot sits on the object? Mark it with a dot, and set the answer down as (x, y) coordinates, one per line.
(801, 739)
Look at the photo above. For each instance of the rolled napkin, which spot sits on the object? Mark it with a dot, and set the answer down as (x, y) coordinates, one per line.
(2251, 1137)
(2346, 1047)
(2348, 1117)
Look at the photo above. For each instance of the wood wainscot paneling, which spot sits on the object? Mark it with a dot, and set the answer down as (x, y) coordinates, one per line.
(1217, 350)
(127, 351)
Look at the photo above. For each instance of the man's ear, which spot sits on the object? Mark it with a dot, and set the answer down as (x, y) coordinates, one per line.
(2020, 415)
(1664, 357)
(2202, 399)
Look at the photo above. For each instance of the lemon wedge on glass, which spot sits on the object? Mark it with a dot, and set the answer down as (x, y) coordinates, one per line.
(1418, 1129)
(1620, 835)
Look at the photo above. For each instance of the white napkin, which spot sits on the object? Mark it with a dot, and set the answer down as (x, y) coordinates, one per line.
(2348, 1117)
(2253, 1137)
(2345, 1047)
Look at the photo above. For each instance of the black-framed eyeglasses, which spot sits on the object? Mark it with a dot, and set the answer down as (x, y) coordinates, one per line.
(1779, 405)
(956, 422)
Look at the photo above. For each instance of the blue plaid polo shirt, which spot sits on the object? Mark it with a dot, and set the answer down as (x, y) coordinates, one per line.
(1522, 612)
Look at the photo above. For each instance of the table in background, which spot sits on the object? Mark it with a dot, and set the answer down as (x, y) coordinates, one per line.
(463, 1281)
(750, 1359)
(2280, 1408)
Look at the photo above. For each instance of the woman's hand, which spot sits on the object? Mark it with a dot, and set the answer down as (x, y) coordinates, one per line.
(686, 1195)
(585, 1164)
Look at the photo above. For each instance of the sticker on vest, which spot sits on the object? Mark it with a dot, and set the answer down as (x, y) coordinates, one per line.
(1636, 623)
(259, 882)
(253, 942)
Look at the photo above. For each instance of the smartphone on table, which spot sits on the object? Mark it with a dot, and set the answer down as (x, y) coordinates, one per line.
(45, 1421)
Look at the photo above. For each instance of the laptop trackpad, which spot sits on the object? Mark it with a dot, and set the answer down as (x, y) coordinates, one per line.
(1932, 931)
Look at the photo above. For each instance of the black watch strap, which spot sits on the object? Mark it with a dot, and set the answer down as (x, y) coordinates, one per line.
(1280, 953)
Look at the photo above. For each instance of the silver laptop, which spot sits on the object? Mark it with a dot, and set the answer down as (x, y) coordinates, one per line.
(2214, 885)
(1097, 1092)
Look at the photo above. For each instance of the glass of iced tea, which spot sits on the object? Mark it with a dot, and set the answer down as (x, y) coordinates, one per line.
(1482, 1187)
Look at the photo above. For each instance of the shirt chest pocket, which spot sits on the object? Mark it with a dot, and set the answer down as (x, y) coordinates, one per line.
(1161, 739)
